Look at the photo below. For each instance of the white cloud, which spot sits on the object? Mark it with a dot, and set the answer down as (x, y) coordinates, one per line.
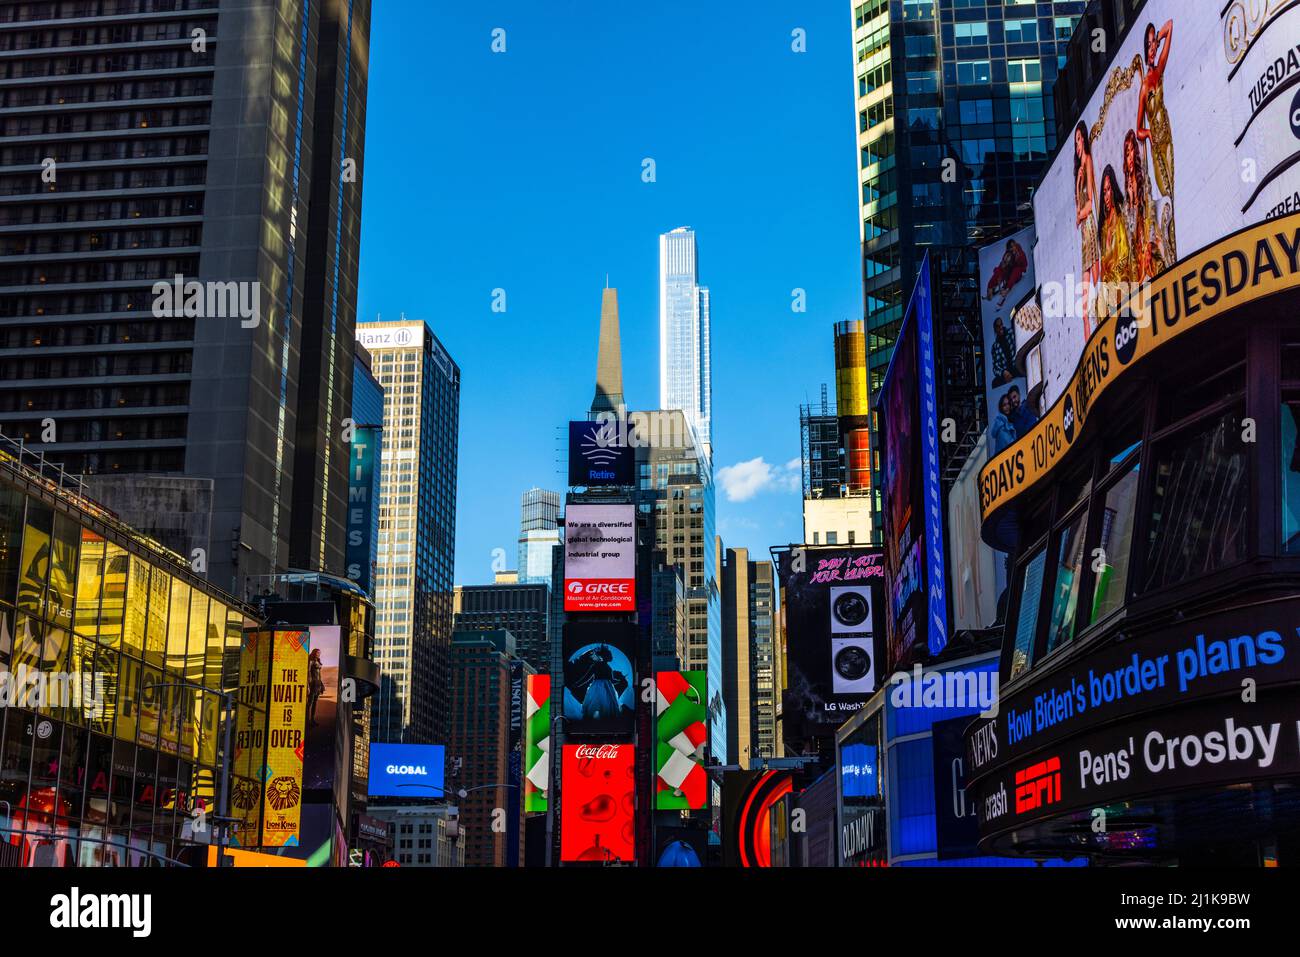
(742, 481)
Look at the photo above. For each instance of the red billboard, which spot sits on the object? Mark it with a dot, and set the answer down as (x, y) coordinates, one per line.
(598, 803)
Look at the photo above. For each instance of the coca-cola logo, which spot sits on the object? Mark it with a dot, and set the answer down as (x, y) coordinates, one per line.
(597, 752)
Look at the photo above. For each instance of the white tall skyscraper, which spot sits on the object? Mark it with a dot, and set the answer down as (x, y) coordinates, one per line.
(685, 360)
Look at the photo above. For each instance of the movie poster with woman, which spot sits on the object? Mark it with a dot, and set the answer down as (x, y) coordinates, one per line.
(1190, 136)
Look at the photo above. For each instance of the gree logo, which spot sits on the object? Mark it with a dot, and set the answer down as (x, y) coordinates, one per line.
(1038, 785)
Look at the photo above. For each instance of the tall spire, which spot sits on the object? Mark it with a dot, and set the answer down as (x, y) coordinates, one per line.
(609, 359)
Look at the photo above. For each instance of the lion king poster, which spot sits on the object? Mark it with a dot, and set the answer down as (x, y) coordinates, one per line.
(287, 707)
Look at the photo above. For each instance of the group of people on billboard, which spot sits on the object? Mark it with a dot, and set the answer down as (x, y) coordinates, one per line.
(1126, 232)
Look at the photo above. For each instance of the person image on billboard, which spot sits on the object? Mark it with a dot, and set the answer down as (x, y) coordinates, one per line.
(600, 686)
(1009, 271)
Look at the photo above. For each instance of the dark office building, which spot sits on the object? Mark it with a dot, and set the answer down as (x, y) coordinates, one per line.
(219, 142)
(523, 610)
(749, 670)
(480, 745)
(955, 124)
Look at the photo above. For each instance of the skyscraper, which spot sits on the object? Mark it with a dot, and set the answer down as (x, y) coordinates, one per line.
(954, 119)
(750, 656)
(480, 739)
(524, 610)
(685, 363)
(539, 535)
(180, 301)
(417, 529)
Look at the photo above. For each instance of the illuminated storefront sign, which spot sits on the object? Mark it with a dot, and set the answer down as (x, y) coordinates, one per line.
(1210, 701)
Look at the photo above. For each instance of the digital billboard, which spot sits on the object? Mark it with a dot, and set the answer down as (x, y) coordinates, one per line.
(1191, 135)
(600, 455)
(681, 847)
(681, 735)
(833, 601)
(599, 677)
(747, 801)
(1006, 280)
(322, 709)
(600, 558)
(406, 770)
(286, 717)
(597, 814)
(915, 554)
(537, 742)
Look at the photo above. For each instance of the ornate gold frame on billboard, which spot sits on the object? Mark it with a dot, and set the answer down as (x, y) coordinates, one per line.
(1247, 266)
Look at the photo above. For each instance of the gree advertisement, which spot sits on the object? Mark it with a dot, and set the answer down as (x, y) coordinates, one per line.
(597, 814)
(1006, 278)
(407, 770)
(681, 734)
(599, 677)
(286, 717)
(600, 454)
(600, 558)
(537, 742)
(1255, 263)
(834, 601)
(1191, 136)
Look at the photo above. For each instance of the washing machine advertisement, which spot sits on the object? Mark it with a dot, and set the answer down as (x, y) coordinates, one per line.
(834, 632)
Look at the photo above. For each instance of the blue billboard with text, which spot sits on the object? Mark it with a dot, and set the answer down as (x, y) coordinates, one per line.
(407, 770)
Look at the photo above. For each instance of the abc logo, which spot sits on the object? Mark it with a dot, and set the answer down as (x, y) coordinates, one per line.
(1067, 419)
(1126, 339)
(1295, 116)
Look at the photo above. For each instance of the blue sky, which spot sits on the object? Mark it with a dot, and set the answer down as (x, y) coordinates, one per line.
(522, 171)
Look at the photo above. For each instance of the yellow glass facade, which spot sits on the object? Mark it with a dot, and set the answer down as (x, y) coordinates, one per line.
(112, 656)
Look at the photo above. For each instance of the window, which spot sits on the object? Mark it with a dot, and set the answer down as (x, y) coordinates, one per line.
(971, 34)
(1069, 576)
(1199, 504)
(1022, 31)
(1115, 540)
(1031, 590)
(976, 111)
(974, 71)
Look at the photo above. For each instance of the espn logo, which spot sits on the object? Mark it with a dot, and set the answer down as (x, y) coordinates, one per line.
(1038, 785)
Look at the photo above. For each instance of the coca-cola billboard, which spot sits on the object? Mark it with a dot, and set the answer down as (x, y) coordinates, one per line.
(598, 804)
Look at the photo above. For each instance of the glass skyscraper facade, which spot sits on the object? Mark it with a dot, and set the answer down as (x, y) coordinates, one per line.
(539, 535)
(113, 658)
(417, 530)
(955, 123)
(685, 363)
